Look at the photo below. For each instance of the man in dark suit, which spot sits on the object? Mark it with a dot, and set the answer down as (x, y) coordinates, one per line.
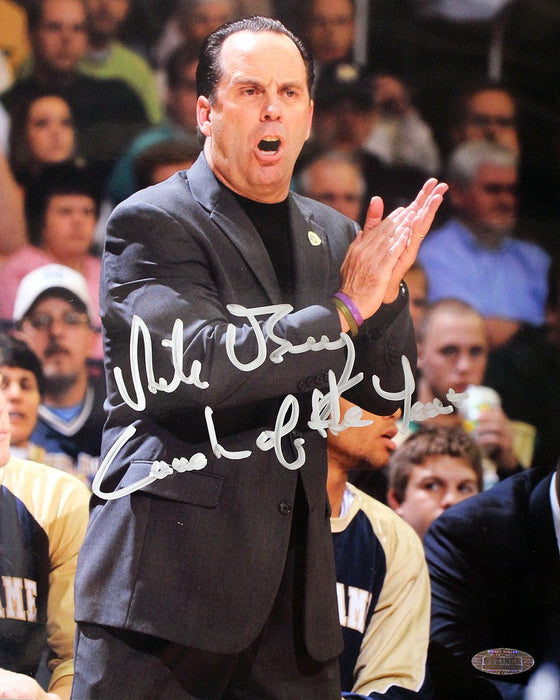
(208, 567)
(495, 573)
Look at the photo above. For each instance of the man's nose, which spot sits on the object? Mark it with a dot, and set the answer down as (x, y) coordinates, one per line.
(56, 327)
(450, 498)
(12, 392)
(272, 110)
(464, 362)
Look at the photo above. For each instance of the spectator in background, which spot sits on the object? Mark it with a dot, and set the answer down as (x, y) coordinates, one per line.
(23, 385)
(417, 284)
(382, 584)
(335, 178)
(343, 119)
(62, 206)
(158, 162)
(41, 133)
(399, 134)
(493, 111)
(191, 23)
(434, 469)
(53, 315)
(107, 113)
(14, 36)
(453, 354)
(107, 57)
(475, 256)
(179, 121)
(44, 517)
(485, 111)
(13, 233)
(329, 31)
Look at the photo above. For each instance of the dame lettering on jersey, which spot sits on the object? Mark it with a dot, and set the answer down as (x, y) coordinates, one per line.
(353, 605)
(18, 599)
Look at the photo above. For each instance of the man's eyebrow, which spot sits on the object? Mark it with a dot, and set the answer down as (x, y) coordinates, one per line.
(251, 80)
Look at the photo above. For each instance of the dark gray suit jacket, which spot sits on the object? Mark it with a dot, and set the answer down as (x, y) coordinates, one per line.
(495, 574)
(197, 557)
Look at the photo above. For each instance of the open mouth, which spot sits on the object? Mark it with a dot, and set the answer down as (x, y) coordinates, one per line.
(269, 144)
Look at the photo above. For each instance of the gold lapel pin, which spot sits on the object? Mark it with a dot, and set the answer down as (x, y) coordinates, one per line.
(314, 239)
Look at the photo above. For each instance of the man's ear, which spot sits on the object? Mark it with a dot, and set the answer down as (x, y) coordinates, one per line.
(392, 501)
(204, 115)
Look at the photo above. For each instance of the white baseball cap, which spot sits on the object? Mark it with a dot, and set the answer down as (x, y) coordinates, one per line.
(47, 278)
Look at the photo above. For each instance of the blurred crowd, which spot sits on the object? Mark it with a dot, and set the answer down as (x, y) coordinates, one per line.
(98, 100)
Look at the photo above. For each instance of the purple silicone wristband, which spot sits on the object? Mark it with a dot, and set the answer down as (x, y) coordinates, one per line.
(356, 315)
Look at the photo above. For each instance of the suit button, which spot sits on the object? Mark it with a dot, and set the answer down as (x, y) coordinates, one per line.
(285, 508)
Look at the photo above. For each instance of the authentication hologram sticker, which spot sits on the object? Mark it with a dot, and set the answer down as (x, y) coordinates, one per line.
(502, 661)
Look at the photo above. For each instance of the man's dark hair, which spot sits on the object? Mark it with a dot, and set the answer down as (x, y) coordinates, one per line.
(35, 13)
(60, 178)
(17, 354)
(209, 70)
(430, 441)
(168, 152)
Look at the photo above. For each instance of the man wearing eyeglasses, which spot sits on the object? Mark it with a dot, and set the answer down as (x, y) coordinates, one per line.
(475, 256)
(53, 314)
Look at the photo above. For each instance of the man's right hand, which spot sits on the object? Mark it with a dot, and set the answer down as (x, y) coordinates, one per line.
(384, 250)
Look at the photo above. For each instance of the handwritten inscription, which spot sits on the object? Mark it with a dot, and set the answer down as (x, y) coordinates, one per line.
(418, 411)
(325, 411)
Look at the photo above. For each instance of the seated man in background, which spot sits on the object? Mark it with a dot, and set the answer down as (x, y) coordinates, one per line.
(108, 57)
(431, 471)
(452, 354)
(335, 178)
(162, 159)
(382, 586)
(23, 385)
(53, 314)
(475, 256)
(44, 514)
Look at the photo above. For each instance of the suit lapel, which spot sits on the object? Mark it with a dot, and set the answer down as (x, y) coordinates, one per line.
(228, 215)
(309, 240)
(309, 248)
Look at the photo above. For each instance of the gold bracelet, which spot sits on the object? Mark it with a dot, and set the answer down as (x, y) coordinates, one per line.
(345, 311)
